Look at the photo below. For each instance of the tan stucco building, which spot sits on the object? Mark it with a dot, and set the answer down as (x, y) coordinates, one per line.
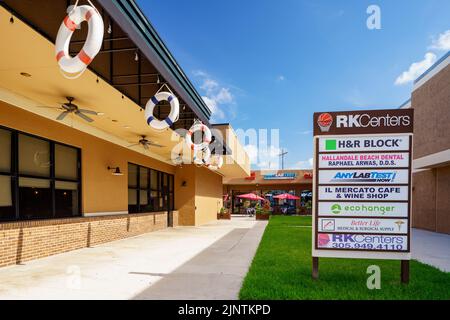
(66, 183)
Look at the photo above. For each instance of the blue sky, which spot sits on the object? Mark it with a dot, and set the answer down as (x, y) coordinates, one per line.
(271, 64)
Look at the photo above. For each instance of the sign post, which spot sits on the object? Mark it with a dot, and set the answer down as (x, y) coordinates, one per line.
(362, 186)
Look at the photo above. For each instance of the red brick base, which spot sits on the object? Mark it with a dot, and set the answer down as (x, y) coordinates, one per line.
(28, 240)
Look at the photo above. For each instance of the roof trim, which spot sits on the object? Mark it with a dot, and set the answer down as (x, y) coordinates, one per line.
(428, 74)
(132, 20)
(406, 104)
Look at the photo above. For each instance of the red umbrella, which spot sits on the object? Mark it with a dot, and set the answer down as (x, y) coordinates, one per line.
(250, 196)
(287, 196)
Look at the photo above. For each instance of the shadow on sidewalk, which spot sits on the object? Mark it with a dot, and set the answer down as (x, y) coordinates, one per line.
(215, 273)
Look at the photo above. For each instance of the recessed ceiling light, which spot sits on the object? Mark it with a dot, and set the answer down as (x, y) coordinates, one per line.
(100, 113)
(25, 74)
(127, 127)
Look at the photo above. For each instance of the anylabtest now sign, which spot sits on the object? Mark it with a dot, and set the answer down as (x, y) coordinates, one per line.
(362, 184)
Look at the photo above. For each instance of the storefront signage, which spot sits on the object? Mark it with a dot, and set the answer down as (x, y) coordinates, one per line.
(364, 122)
(337, 144)
(362, 209)
(364, 160)
(364, 242)
(280, 176)
(363, 225)
(362, 182)
(382, 193)
(389, 176)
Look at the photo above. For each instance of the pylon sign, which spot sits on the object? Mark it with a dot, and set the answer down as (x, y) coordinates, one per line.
(362, 184)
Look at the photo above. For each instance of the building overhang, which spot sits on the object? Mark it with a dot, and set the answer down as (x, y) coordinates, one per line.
(45, 89)
(236, 159)
(435, 160)
(123, 123)
(128, 15)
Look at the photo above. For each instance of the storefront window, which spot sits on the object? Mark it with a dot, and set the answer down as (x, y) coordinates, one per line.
(39, 179)
(5, 151)
(150, 194)
(66, 162)
(34, 156)
(66, 199)
(6, 203)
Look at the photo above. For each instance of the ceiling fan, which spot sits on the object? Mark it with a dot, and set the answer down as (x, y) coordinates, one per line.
(71, 108)
(144, 142)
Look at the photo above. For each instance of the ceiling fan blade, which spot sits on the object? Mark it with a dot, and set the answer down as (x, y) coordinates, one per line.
(88, 112)
(62, 115)
(84, 117)
(48, 107)
(133, 145)
(155, 145)
(146, 147)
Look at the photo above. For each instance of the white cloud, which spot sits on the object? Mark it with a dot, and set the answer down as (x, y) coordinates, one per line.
(442, 42)
(209, 85)
(281, 78)
(215, 110)
(416, 69)
(215, 96)
(264, 158)
(224, 96)
(307, 164)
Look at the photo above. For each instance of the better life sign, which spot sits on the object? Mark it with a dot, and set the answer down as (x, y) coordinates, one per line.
(362, 184)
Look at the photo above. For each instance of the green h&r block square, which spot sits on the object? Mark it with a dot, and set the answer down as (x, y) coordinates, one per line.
(330, 145)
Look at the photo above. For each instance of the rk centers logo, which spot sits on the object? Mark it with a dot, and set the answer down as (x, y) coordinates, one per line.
(336, 209)
(325, 121)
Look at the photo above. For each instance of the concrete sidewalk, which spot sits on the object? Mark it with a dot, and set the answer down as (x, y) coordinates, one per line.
(207, 262)
(431, 248)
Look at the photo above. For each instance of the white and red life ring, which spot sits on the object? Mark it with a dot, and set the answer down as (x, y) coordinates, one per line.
(202, 157)
(92, 46)
(207, 136)
(216, 164)
(173, 115)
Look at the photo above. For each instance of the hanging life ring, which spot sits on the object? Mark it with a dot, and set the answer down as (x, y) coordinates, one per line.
(218, 163)
(94, 40)
(207, 136)
(173, 115)
(203, 159)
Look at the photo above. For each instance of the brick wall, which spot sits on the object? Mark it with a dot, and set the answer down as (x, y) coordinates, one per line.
(28, 240)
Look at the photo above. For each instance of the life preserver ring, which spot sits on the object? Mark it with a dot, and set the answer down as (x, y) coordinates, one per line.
(204, 158)
(218, 163)
(173, 115)
(93, 42)
(207, 136)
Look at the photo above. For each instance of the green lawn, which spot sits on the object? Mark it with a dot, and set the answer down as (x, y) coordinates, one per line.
(281, 269)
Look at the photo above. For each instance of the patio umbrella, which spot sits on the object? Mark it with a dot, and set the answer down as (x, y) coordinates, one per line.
(287, 196)
(250, 196)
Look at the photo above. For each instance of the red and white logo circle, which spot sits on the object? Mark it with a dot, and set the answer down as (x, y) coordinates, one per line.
(323, 240)
(325, 121)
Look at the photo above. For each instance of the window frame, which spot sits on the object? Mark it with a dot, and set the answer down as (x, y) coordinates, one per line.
(15, 176)
(159, 191)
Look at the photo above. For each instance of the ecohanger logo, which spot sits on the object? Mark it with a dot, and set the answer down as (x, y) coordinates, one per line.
(374, 176)
(336, 209)
(325, 121)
